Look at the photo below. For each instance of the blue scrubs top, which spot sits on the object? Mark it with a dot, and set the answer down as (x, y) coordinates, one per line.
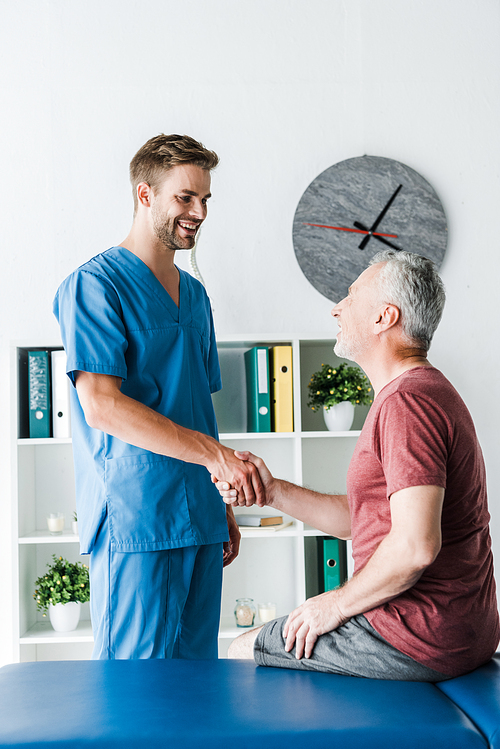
(117, 319)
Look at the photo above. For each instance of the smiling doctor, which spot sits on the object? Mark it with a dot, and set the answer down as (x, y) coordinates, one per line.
(141, 353)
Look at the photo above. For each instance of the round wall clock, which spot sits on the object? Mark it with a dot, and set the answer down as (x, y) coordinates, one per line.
(358, 207)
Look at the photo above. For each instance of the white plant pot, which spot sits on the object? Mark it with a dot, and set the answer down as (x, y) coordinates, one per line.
(64, 617)
(339, 418)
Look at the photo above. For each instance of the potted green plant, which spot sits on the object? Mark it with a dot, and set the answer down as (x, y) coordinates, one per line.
(337, 390)
(61, 591)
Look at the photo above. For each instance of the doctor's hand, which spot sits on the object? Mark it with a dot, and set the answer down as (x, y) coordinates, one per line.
(231, 548)
(313, 618)
(232, 496)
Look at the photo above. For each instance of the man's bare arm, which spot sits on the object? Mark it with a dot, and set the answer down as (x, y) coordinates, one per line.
(325, 512)
(409, 548)
(106, 408)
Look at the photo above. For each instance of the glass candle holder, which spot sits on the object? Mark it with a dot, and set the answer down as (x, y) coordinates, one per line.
(55, 523)
(244, 612)
(267, 612)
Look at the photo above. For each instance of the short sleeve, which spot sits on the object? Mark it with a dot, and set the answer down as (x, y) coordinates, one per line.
(88, 310)
(412, 442)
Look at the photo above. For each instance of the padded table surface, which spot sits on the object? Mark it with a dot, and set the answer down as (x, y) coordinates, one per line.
(225, 703)
(478, 693)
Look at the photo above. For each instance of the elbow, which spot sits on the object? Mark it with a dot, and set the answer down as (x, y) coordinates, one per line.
(415, 555)
(345, 535)
(96, 410)
(93, 416)
(433, 547)
(425, 555)
(93, 419)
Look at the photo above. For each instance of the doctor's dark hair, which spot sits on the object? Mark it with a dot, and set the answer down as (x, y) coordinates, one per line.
(162, 153)
(411, 282)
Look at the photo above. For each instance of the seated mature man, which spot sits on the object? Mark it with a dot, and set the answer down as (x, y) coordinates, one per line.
(421, 605)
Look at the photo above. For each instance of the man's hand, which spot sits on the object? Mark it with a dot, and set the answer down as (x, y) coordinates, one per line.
(310, 620)
(235, 497)
(231, 548)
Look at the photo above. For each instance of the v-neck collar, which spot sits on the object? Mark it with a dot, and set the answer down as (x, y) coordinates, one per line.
(161, 294)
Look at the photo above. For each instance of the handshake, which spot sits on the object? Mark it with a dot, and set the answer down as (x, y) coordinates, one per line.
(246, 480)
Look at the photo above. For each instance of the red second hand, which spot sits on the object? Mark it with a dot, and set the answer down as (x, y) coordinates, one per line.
(356, 231)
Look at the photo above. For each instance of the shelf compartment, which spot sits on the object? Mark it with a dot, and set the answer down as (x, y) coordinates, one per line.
(278, 453)
(325, 464)
(263, 571)
(33, 559)
(230, 403)
(39, 493)
(313, 354)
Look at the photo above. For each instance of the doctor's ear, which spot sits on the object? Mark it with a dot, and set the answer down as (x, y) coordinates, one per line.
(144, 193)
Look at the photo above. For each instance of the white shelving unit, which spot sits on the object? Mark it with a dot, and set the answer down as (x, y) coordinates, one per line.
(270, 566)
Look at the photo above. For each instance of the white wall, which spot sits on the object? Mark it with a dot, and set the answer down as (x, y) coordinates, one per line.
(281, 89)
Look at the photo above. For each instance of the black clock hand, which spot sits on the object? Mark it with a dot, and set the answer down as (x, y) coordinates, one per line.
(380, 237)
(379, 218)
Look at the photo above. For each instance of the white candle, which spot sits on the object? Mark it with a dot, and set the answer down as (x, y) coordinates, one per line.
(55, 523)
(267, 612)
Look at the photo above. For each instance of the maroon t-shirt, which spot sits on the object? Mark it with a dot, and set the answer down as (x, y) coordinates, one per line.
(419, 432)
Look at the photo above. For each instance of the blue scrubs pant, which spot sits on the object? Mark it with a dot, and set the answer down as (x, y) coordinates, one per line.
(155, 604)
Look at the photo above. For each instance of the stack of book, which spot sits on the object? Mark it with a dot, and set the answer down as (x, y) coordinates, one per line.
(262, 522)
(44, 389)
(269, 380)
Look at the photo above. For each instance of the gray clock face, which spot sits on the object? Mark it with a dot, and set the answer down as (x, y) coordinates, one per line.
(358, 207)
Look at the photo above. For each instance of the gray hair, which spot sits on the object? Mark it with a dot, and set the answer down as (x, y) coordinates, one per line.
(411, 282)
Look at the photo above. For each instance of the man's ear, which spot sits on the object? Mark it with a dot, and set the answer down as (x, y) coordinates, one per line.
(144, 193)
(387, 317)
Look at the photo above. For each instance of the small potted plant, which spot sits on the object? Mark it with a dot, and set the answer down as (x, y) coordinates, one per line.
(61, 591)
(337, 390)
